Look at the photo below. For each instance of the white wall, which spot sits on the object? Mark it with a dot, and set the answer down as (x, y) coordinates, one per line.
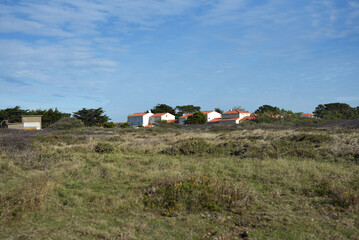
(212, 115)
(36, 125)
(167, 116)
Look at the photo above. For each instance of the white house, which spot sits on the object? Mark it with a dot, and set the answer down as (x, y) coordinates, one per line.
(210, 115)
(231, 117)
(28, 122)
(161, 117)
(139, 119)
(235, 114)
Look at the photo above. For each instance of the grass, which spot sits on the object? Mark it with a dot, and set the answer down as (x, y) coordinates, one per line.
(180, 183)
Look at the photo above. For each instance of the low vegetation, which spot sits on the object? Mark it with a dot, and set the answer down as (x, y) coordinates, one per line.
(262, 181)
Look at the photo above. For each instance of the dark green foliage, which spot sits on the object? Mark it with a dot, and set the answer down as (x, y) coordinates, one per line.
(91, 117)
(67, 123)
(123, 125)
(104, 147)
(195, 194)
(219, 110)
(163, 108)
(12, 114)
(108, 125)
(185, 109)
(336, 111)
(196, 118)
(49, 116)
(267, 109)
(240, 108)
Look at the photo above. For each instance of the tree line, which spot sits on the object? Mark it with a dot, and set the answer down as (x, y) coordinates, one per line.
(93, 117)
(90, 117)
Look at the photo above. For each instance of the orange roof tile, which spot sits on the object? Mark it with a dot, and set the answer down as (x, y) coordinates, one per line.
(235, 112)
(215, 120)
(158, 114)
(137, 114)
(223, 120)
(172, 121)
(247, 118)
(148, 126)
(308, 114)
(187, 115)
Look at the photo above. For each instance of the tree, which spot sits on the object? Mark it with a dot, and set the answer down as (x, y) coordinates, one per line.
(219, 110)
(267, 109)
(196, 118)
(336, 111)
(238, 108)
(91, 117)
(163, 108)
(50, 116)
(185, 109)
(12, 114)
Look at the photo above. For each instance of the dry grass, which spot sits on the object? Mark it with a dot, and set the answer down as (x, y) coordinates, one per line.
(205, 183)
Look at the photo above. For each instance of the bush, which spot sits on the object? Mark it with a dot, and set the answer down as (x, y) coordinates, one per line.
(195, 194)
(123, 125)
(104, 147)
(108, 125)
(67, 123)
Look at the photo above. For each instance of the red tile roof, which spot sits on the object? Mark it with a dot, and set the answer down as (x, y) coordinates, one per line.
(235, 112)
(138, 114)
(247, 118)
(148, 126)
(206, 112)
(158, 114)
(173, 121)
(223, 120)
(308, 114)
(187, 115)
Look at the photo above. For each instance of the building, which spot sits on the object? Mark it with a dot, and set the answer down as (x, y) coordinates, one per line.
(162, 117)
(139, 119)
(307, 115)
(210, 115)
(235, 114)
(28, 122)
(231, 117)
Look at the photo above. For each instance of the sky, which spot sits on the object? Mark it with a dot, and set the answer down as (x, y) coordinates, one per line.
(127, 56)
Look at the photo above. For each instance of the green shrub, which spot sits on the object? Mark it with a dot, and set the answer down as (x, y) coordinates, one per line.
(67, 123)
(123, 125)
(108, 125)
(104, 147)
(195, 194)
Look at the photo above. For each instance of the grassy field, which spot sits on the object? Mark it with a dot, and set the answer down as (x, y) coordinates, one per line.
(180, 183)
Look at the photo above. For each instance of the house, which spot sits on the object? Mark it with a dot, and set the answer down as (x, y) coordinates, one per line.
(182, 120)
(307, 115)
(231, 117)
(139, 119)
(28, 122)
(210, 115)
(235, 114)
(162, 117)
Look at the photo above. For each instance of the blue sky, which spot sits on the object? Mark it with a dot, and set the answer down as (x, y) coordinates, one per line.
(129, 55)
